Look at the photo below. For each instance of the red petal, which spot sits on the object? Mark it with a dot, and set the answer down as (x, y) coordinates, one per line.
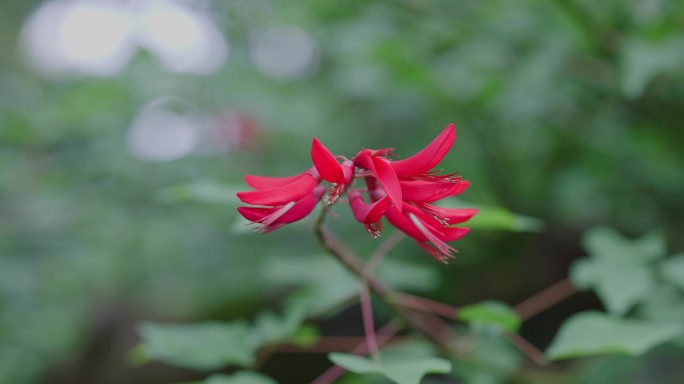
(383, 172)
(453, 233)
(255, 214)
(367, 213)
(273, 218)
(265, 182)
(424, 191)
(388, 180)
(396, 218)
(462, 186)
(282, 194)
(435, 253)
(427, 158)
(300, 210)
(450, 215)
(325, 162)
(420, 231)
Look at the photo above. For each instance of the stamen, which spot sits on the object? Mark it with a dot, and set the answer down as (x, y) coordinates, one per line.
(444, 249)
(266, 222)
(335, 193)
(373, 230)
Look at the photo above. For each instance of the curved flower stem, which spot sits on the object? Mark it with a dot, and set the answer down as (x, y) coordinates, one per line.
(545, 299)
(409, 306)
(368, 324)
(341, 251)
(383, 250)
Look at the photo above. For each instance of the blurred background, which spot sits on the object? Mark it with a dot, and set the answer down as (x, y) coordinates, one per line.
(126, 126)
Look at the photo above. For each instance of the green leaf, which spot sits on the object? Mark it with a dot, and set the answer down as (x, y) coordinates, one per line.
(672, 270)
(241, 377)
(491, 358)
(270, 328)
(618, 269)
(203, 346)
(399, 371)
(595, 333)
(642, 60)
(619, 285)
(666, 304)
(491, 217)
(491, 314)
(607, 243)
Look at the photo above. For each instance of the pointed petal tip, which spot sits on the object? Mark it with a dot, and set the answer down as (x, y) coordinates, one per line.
(429, 156)
(326, 164)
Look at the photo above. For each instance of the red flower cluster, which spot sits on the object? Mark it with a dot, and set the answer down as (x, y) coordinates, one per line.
(402, 191)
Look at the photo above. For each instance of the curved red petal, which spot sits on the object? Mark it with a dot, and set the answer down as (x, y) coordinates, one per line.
(462, 186)
(367, 213)
(325, 162)
(425, 191)
(453, 233)
(428, 157)
(255, 214)
(449, 216)
(388, 180)
(300, 209)
(281, 194)
(396, 218)
(265, 182)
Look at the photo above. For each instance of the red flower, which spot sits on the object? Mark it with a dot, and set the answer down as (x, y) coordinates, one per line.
(379, 166)
(401, 190)
(368, 214)
(285, 199)
(430, 226)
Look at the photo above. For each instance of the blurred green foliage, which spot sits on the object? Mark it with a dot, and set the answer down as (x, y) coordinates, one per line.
(569, 111)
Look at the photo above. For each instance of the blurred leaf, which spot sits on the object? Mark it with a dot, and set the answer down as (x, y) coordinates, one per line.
(414, 347)
(240, 377)
(332, 283)
(672, 270)
(618, 269)
(491, 314)
(642, 60)
(491, 217)
(399, 371)
(490, 359)
(270, 328)
(203, 346)
(594, 333)
(605, 242)
(619, 285)
(665, 304)
(306, 336)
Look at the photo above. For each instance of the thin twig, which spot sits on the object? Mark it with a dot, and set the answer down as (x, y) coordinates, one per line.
(348, 258)
(446, 311)
(383, 250)
(368, 324)
(545, 299)
(526, 348)
(425, 305)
